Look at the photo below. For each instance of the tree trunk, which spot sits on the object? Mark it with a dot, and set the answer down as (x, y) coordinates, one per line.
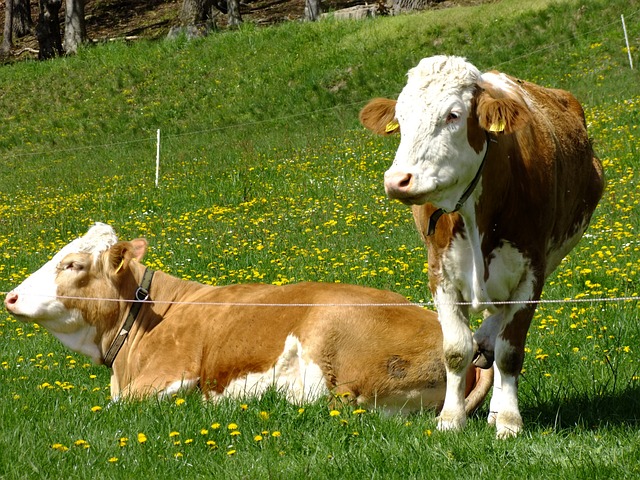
(196, 12)
(48, 29)
(311, 10)
(22, 22)
(234, 13)
(75, 30)
(7, 34)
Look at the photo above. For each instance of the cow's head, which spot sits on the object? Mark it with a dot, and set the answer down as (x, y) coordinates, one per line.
(62, 295)
(443, 114)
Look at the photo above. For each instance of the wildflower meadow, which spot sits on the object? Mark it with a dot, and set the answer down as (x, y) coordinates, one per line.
(266, 176)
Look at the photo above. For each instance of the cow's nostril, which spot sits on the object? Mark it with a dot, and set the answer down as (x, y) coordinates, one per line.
(11, 299)
(405, 181)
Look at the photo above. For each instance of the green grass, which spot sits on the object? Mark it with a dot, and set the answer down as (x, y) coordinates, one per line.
(267, 176)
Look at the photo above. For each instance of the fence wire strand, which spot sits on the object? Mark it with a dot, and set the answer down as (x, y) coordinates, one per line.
(364, 305)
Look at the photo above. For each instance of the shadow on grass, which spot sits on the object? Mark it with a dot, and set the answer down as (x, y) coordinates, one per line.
(586, 411)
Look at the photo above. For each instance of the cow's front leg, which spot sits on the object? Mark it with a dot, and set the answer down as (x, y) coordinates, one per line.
(458, 352)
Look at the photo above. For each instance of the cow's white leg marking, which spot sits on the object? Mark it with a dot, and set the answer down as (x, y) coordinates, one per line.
(294, 374)
(458, 351)
(313, 385)
(508, 419)
(184, 385)
(496, 397)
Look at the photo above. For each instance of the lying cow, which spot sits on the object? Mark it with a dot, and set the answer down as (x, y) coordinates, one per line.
(503, 183)
(161, 335)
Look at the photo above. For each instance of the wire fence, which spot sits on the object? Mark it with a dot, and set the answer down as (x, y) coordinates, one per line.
(486, 304)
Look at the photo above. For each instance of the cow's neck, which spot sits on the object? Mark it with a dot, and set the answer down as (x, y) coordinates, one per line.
(81, 340)
(478, 288)
(164, 291)
(141, 295)
(479, 212)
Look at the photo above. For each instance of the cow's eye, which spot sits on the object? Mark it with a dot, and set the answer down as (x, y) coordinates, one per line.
(452, 117)
(71, 265)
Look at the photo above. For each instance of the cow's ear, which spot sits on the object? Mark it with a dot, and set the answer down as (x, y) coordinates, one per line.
(122, 253)
(139, 248)
(379, 116)
(500, 111)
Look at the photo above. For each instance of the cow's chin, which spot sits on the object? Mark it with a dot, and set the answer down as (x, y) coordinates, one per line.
(414, 200)
(417, 198)
(411, 198)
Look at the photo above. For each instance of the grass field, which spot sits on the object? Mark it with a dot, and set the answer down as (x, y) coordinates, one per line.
(266, 176)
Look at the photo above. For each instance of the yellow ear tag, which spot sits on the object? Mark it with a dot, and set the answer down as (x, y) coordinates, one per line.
(120, 266)
(498, 126)
(392, 126)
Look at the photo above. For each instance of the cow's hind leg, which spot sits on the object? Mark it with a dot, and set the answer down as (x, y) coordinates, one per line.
(509, 353)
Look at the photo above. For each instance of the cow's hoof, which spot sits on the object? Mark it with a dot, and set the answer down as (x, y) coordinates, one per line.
(508, 425)
(451, 421)
(483, 359)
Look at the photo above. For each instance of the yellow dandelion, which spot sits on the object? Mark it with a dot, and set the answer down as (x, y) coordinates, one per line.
(264, 415)
(174, 434)
(334, 413)
(123, 441)
(232, 426)
(204, 431)
(231, 452)
(113, 460)
(142, 438)
(215, 426)
(276, 434)
(97, 408)
(258, 438)
(244, 406)
(60, 447)
(180, 401)
(235, 433)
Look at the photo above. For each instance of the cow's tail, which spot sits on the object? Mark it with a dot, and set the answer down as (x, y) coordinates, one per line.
(483, 381)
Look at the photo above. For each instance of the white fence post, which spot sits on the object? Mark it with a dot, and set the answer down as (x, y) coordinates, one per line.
(626, 39)
(158, 158)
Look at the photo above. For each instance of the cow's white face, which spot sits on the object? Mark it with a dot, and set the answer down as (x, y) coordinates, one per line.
(36, 299)
(435, 162)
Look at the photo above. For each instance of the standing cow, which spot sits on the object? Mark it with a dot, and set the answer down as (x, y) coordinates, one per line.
(502, 181)
(160, 334)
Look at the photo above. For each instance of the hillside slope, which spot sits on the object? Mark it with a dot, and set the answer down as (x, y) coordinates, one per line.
(121, 19)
